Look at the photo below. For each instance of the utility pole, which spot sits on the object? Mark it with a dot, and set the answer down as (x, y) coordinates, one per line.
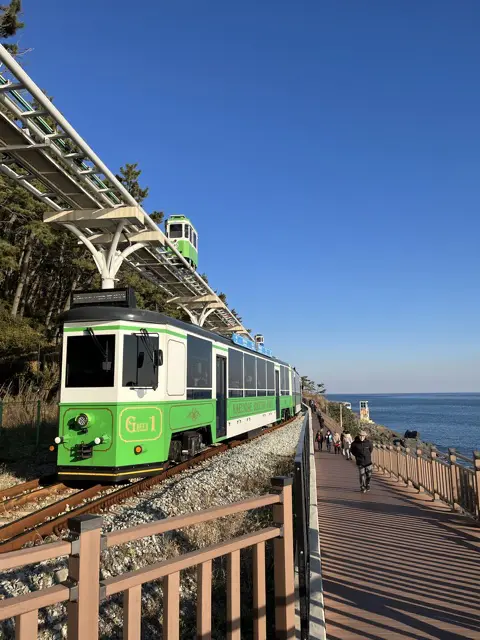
(341, 417)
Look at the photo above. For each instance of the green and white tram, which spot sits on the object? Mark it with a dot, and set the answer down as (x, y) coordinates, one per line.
(184, 237)
(140, 389)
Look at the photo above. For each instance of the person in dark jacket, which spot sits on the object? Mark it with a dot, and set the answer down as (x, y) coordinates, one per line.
(362, 450)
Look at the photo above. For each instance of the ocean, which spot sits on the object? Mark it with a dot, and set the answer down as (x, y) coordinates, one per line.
(444, 419)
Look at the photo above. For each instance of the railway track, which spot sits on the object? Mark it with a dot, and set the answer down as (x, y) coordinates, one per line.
(53, 519)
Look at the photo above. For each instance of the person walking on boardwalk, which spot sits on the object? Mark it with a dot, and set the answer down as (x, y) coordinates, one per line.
(346, 444)
(336, 442)
(362, 450)
(329, 439)
(319, 439)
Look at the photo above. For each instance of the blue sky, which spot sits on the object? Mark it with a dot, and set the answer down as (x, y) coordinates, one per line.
(328, 152)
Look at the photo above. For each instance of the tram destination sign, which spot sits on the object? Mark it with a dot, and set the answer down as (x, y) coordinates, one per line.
(249, 344)
(105, 297)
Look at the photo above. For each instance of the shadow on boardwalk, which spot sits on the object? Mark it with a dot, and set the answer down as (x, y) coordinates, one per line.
(395, 564)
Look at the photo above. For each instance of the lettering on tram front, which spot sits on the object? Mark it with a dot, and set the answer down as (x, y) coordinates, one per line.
(132, 426)
(140, 424)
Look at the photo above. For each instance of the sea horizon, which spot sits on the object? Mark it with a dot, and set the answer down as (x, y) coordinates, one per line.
(446, 419)
(400, 393)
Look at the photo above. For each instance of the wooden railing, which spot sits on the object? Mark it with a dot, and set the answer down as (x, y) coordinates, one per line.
(451, 477)
(82, 591)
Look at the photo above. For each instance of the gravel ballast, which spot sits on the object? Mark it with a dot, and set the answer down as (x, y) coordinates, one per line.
(235, 475)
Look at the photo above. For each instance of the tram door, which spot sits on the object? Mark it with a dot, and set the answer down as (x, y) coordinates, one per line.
(277, 392)
(221, 396)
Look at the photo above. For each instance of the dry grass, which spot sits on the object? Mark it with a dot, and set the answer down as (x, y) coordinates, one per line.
(29, 424)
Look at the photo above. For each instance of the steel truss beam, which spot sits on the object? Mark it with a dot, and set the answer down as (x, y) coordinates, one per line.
(58, 167)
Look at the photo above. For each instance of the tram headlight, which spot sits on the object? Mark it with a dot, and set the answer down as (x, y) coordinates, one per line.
(82, 420)
(98, 440)
(58, 440)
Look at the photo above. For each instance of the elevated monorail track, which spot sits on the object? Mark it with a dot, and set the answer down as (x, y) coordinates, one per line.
(53, 519)
(43, 154)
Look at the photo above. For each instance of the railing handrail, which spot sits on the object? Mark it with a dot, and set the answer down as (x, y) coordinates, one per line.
(452, 477)
(442, 456)
(186, 520)
(14, 559)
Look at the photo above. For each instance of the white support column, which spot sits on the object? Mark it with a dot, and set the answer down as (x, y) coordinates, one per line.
(191, 314)
(107, 265)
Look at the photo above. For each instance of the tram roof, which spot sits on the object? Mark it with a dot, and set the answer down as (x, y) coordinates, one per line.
(128, 314)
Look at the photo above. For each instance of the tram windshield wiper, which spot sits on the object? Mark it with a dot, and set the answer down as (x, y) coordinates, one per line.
(106, 364)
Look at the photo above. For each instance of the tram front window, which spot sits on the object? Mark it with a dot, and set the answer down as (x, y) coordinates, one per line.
(175, 231)
(141, 360)
(90, 361)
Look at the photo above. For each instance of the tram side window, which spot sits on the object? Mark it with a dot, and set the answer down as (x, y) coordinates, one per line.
(250, 376)
(175, 231)
(90, 361)
(195, 239)
(235, 373)
(270, 379)
(186, 231)
(140, 361)
(261, 377)
(284, 381)
(199, 368)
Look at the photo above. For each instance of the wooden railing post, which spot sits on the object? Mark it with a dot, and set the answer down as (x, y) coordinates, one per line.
(408, 480)
(83, 572)
(283, 561)
(259, 593)
(390, 459)
(397, 450)
(452, 459)
(26, 626)
(433, 462)
(204, 600)
(381, 458)
(385, 460)
(419, 470)
(476, 464)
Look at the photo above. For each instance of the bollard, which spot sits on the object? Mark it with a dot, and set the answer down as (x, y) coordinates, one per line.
(476, 463)
(83, 573)
(283, 561)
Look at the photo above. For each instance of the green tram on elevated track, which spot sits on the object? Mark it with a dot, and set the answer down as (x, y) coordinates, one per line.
(140, 390)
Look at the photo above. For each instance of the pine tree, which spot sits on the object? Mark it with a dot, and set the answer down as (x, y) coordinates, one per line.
(129, 175)
(9, 23)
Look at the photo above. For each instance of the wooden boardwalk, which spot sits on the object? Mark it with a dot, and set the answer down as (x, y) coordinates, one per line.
(395, 564)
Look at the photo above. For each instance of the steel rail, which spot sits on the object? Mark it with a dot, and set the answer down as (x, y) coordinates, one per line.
(33, 528)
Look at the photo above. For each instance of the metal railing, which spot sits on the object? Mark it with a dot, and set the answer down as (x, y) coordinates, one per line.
(301, 500)
(82, 590)
(451, 477)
